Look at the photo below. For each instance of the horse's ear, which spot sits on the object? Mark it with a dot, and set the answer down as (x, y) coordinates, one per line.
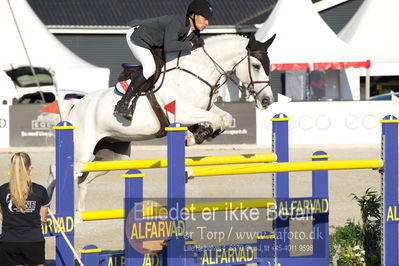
(269, 42)
(254, 45)
(252, 42)
(252, 37)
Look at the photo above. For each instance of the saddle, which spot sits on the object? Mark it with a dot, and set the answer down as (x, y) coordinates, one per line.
(130, 71)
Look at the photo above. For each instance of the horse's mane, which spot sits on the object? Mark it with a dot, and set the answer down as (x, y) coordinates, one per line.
(220, 44)
(216, 45)
(225, 38)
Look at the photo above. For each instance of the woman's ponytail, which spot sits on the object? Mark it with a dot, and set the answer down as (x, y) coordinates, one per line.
(20, 182)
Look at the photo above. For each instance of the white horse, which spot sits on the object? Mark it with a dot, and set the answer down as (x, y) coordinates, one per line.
(100, 135)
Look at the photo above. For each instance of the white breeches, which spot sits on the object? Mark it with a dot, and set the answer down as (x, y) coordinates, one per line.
(143, 55)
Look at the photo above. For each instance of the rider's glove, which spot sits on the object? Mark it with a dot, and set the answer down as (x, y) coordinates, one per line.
(197, 42)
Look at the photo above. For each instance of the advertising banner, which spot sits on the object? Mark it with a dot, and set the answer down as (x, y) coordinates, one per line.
(29, 127)
(242, 130)
(325, 122)
(26, 127)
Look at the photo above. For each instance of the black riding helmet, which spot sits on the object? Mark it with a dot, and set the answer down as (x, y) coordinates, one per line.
(200, 7)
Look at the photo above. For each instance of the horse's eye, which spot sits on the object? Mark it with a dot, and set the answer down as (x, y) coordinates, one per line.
(257, 67)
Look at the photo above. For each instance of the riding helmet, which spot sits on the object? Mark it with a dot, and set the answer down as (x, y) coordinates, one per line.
(200, 7)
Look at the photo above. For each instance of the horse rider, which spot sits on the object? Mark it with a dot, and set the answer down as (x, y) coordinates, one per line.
(172, 33)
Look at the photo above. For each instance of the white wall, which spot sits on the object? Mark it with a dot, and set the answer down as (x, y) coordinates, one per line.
(4, 126)
(7, 88)
(351, 122)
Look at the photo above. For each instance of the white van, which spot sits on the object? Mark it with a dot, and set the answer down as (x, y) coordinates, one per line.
(20, 86)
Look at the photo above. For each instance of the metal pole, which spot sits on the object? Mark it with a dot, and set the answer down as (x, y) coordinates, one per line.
(176, 193)
(65, 188)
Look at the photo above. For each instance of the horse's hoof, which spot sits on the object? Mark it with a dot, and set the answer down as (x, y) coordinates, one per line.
(216, 133)
(208, 132)
(190, 140)
(78, 217)
(203, 134)
(199, 139)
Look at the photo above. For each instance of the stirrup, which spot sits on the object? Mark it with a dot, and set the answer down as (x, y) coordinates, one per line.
(123, 110)
(124, 113)
(128, 115)
(120, 106)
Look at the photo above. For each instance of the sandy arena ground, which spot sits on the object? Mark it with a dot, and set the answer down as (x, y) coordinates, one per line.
(106, 192)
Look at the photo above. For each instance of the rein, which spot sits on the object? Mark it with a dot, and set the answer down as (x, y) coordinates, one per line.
(228, 74)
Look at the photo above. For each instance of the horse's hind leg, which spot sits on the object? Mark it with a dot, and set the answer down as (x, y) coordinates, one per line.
(104, 151)
(51, 181)
(83, 181)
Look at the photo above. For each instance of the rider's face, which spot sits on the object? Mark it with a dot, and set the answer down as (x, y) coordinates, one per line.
(201, 22)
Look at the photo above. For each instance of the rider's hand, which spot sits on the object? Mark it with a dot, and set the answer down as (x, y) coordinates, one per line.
(197, 42)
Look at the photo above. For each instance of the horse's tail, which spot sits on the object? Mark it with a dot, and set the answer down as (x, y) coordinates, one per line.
(66, 107)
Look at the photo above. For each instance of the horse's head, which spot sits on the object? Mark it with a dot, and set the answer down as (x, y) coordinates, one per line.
(254, 72)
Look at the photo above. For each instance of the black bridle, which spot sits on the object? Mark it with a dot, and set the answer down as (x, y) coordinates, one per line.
(229, 76)
(252, 82)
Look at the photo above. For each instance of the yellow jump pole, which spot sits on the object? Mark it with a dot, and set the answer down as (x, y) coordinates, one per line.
(190, 208)
(190, 161)
(285, 167)
(103, 215)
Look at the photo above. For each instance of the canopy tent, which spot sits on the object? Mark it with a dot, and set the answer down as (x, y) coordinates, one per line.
(305, 41)
(374, 31)
(45, 50)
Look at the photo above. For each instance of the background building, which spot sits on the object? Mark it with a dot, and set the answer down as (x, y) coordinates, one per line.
(94, 29)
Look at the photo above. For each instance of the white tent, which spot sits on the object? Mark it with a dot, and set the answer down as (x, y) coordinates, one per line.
(374, 31)
(71, 72)
(304, 41)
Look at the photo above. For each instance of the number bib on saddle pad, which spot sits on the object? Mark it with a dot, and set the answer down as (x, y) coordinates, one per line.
(122, 86)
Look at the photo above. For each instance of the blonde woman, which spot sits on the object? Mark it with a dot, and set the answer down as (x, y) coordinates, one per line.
(24, 207)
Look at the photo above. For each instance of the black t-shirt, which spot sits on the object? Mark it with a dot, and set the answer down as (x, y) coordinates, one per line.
(23, 227)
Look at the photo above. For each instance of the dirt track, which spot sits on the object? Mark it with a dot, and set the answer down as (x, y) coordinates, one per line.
(106, 192)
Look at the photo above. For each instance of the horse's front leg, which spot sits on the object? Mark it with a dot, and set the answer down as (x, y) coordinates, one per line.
(208, 122)
(51, 181)
(190, 138)
(105, 151)
(226, 118)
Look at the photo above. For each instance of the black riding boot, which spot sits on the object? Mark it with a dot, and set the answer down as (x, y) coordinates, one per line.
(122, 107)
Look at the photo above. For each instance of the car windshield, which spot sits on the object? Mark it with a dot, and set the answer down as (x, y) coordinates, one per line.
(30, 80)
(24, 78)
